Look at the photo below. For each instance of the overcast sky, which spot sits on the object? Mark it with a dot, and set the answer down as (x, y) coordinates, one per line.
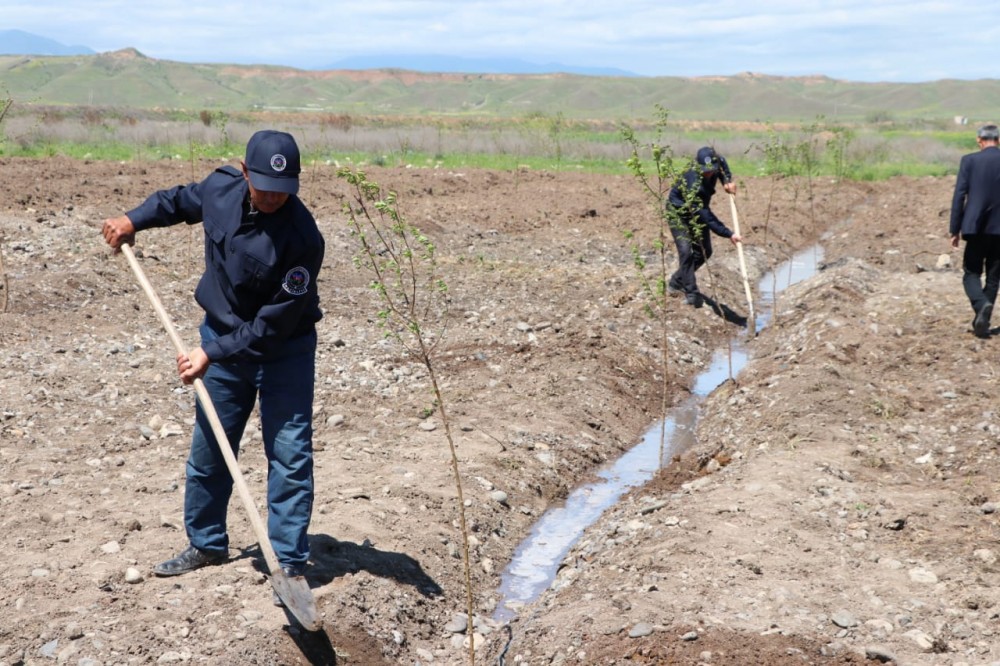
(859, 40)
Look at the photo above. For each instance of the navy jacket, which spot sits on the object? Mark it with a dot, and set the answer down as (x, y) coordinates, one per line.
(692, 180)
(259, 286)
(975, 206)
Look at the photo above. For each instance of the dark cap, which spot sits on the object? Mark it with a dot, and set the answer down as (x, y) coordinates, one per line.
(708, 160)
(988, 133)
(273, 162)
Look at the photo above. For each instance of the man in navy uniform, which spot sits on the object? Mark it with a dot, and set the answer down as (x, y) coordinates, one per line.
(690, 219)
(263, 253)
(975, 217)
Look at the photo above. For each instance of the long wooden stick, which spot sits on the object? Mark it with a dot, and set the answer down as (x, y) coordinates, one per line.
(303, 609)
(752, 319)
(5, 287)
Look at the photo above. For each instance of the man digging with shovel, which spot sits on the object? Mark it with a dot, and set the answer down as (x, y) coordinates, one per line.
(691, 219)
(263, 252)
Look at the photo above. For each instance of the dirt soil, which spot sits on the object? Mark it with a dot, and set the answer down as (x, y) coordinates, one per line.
(838, 507)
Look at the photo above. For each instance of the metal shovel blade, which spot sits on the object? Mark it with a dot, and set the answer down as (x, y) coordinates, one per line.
(295, 594)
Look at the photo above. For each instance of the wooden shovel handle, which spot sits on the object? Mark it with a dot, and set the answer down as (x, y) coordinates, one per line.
(294, 592)
(743, 265)
(213, 418)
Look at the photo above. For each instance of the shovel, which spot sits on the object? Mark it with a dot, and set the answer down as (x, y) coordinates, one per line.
(752, 319)
(294, 592)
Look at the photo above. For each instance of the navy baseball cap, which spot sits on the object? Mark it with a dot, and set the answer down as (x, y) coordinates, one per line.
(707, 159)
(273, 162)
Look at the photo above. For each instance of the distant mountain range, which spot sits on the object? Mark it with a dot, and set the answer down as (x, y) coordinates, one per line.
(372, 87)
(18, 42)
(457, 65)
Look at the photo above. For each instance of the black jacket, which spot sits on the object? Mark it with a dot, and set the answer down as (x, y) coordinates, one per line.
(692, 180)
(975, 206)
(259, 285)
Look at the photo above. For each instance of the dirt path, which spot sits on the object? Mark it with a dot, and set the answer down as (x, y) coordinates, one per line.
(841, 498)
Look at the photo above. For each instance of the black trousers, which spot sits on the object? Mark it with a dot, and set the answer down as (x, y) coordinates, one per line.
(982, 257)
(694, 248)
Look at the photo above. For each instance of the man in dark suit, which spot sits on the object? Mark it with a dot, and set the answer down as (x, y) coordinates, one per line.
(975, 217)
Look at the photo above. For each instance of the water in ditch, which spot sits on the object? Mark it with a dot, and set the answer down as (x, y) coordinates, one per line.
(537, 558)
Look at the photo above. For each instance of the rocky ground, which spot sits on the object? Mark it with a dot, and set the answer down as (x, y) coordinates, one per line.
(838, 507)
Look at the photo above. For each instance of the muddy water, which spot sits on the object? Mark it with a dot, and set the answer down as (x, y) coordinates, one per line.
(537, 558)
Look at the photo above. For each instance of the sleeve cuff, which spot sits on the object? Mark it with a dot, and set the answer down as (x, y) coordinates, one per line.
(213, 351)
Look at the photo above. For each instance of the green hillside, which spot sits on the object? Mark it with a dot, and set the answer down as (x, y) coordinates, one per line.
(129, 79)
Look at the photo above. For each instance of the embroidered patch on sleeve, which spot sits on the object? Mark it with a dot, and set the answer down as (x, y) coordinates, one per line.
(296, 281)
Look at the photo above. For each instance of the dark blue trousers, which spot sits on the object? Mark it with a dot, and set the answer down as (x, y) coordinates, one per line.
(285, 389)
(693, 250)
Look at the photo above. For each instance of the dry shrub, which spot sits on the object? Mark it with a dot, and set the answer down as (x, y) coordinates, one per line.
(339, 121)
(92, 116)
(52, 116)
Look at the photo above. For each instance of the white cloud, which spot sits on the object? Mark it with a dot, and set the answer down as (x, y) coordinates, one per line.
(854, 39)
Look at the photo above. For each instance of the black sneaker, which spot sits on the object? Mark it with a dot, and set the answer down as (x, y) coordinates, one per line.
(981, 324)
(674, 288)
(695, 299)
(189, 560)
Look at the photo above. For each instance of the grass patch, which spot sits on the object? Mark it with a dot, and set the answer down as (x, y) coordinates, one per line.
(867, 151)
